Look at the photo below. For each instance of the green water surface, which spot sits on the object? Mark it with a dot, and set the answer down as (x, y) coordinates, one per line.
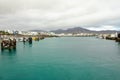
(67, 58)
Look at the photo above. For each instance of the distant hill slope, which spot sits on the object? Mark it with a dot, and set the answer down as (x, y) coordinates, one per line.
(107, 31)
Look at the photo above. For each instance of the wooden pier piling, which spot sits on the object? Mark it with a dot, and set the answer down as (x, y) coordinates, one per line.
(8, 44)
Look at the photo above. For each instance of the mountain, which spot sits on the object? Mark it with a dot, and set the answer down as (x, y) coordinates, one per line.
(72, 30)
(78, 30)
(37, 31)
(83, 30)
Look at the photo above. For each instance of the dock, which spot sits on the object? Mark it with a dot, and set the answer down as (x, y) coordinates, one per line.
(8, 44)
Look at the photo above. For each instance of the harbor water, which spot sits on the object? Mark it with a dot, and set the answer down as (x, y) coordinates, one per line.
(65, 58)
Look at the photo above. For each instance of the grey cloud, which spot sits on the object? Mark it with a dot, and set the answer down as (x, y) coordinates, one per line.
(53, 14)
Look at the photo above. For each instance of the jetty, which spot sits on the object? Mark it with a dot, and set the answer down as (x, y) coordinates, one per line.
(8, 44)
(118, 38)
(115, 37)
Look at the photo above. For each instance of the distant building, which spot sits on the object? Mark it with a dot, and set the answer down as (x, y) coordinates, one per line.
(113, 35)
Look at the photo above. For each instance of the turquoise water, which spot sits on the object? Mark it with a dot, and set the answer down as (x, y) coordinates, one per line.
(68, 58)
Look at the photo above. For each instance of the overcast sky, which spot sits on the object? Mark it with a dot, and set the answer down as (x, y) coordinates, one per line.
(59, 14)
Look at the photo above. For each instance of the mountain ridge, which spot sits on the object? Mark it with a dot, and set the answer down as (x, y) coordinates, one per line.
(78, 30)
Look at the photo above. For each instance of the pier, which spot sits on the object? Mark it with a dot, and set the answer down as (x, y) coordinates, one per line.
(115, 37)
(8, 44)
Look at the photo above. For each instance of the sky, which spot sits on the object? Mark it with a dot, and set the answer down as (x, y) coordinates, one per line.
(59, 14)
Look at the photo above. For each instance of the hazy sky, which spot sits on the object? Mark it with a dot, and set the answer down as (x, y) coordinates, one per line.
(59, 14)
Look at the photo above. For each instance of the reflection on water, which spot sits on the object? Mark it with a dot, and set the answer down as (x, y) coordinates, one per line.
(9, 52)
(118, 47)
(118, 43)
(27, 44)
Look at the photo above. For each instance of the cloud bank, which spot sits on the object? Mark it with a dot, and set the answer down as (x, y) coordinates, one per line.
(55, 14)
